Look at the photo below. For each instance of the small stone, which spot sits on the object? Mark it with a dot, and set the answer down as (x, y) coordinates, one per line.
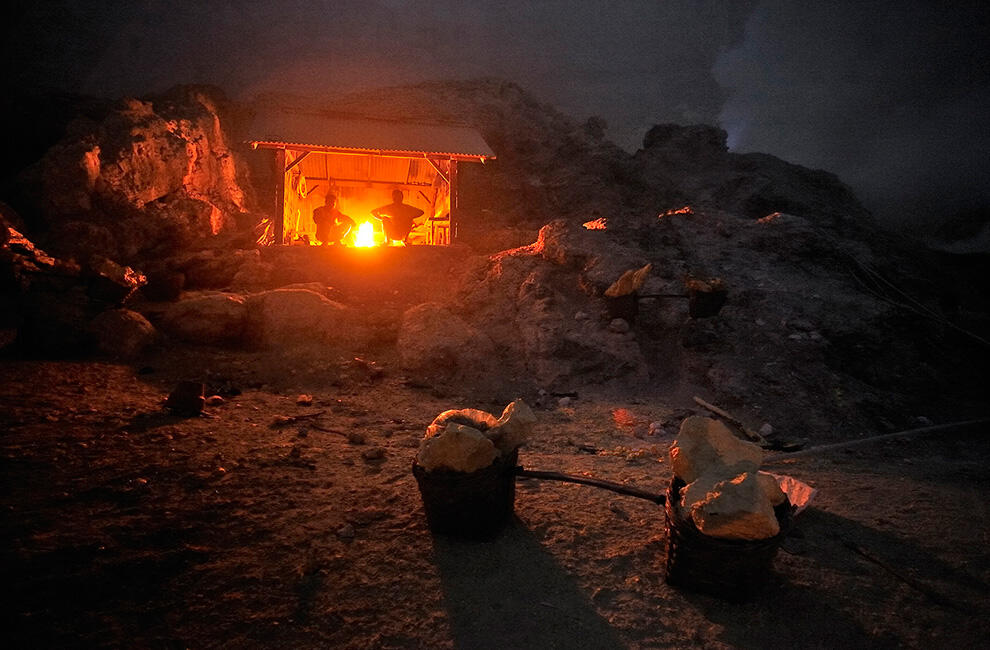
(766, 430)
(214, 400)
(581, 315)
(346, 531)
(564, 402)
(187, 399)
(304, 400)
(373, 453)
(617, 509)
(619, 326)
(355, 438)
(655, 429)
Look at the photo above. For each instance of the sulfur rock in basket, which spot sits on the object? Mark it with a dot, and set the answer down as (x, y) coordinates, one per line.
(725, 496)
(466, 440)
(474, 418)
(513, 428)
(741, 507)
(457, 447)
(706, 446)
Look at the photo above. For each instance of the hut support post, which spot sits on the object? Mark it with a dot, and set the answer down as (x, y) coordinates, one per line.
(454, 217)
(279, 196)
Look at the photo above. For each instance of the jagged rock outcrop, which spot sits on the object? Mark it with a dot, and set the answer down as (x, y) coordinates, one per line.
(541, 304)
(695, 162)
(148, 179)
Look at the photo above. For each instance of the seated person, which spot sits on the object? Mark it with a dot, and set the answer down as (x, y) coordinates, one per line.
(332, 225)
(397, 218)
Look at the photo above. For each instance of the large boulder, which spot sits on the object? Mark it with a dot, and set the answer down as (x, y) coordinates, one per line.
(122, 333)
(207, 319)
(146, 178)
(435, 342)
(296, 316)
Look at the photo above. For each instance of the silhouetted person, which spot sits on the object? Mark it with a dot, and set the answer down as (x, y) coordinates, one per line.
(397, 218)
(332, 225)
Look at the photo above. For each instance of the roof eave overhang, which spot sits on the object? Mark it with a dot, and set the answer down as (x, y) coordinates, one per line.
(357, 151)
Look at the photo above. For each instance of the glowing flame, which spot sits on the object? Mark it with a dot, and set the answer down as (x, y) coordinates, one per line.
(365, 236)
(596, 224)
(687, 209)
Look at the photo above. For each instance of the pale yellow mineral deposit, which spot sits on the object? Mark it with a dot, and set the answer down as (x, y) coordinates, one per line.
(458, 447)
(514, 427)
(475, 418)
(706, 446)
(739, 508)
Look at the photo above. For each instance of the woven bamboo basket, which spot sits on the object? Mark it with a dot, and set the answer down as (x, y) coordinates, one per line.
(730, 569)
(470, 505)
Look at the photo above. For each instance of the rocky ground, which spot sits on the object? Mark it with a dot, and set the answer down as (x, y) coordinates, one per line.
(124, 525)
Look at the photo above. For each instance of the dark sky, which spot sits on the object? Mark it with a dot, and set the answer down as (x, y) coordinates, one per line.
(893, 96)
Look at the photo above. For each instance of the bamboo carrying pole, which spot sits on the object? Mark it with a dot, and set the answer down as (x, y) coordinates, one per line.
(594, 482)
(659, 498)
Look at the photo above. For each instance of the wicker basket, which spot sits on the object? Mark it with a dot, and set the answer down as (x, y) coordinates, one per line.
(730, 569)
(471, 505)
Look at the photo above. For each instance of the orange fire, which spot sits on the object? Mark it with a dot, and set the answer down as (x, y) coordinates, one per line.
(687, 209)
(365, 237)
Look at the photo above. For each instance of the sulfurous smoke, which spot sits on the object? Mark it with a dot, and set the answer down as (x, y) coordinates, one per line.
(890, 96)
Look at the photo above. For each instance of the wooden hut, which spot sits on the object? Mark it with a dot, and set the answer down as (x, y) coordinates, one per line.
(361, 161)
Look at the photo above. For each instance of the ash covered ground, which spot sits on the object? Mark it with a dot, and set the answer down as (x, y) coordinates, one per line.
(125, 524)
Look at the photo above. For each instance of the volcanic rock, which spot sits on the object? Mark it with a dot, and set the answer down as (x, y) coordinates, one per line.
(695, 159)
(706, 446)
(164, 286)
(435, 342)
(294, 316)
(254, 274)
(113, 283)
(153, 173)
(186, 399)
(207, 319)
(122, 332)
(215, 268)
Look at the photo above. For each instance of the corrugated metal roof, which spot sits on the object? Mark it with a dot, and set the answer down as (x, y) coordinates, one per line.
(359, 134)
